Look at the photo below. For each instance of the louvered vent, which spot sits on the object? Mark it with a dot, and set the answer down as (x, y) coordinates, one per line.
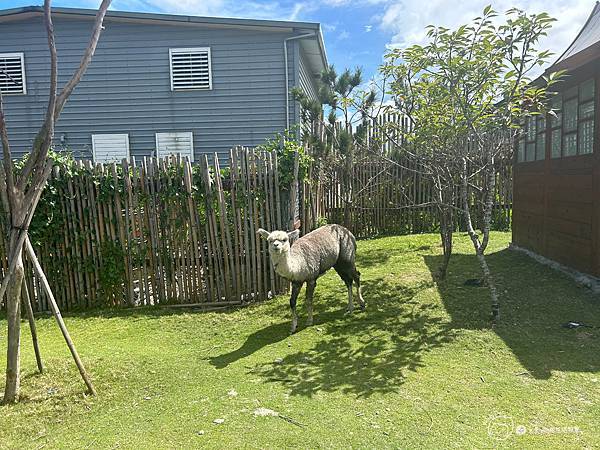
(175, 143)
(190, 69)
(110, 147)
(12, 73)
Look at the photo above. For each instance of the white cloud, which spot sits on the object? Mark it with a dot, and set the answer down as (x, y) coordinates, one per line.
(407, 19)
(343, 35)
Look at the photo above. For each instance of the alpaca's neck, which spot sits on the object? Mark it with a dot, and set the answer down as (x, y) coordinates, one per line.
(287, 264)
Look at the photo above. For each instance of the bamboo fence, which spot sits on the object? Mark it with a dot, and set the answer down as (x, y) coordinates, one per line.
(165, 232)
(388, 197)
(158, 232)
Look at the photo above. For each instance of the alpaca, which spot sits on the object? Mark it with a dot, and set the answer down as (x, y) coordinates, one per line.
(310, 257)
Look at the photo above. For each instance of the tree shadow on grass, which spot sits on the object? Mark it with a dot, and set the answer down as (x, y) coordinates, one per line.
(373, 257)
(535, 301)
(362, 354)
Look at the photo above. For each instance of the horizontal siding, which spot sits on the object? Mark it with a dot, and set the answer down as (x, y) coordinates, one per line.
(127, 86)
(307, 80)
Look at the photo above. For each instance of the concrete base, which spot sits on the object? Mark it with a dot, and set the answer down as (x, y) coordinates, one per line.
(583, 279)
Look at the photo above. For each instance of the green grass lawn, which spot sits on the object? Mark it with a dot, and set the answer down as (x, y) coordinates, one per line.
(422, 367)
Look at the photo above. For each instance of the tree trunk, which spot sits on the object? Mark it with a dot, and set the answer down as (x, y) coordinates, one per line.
(13, 308)
(489, 280)
(348, 194)
(446, 237)
(446, 225)
(479, 248)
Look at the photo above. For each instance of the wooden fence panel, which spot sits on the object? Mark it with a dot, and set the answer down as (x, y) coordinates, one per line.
(156, 232)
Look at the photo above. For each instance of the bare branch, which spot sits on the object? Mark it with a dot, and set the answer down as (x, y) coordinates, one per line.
(56, 103)
(8, 163)
(85, 60)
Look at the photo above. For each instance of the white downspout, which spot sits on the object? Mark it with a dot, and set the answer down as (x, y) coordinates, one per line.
(287, 75)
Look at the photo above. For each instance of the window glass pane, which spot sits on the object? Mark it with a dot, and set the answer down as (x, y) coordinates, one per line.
(540, 146)
(541, 123)
(531, 129)
(570, 144)
(530, 155)
(586, 137)
(557, 109)
(570, 112)
(586, 90)
(572, 92)
(521, 151)
(556, 143)
(586, 110)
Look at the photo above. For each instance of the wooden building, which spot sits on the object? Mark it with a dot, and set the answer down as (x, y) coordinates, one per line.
(556, 209)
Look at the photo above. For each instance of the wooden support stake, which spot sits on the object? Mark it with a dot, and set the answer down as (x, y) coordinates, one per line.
(27, 302)
(58, 316)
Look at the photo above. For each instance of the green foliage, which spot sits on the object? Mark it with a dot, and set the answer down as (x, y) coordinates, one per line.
(112, 272)
(286, 147)
(472, 79)
(321, 221)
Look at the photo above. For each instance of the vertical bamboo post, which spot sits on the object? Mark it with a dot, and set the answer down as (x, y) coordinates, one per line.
(27, 302)
(58, 316)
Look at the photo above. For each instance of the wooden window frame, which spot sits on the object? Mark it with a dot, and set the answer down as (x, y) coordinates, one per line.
(530, 138)
(575, 131)
(540, 133)
(581, 120)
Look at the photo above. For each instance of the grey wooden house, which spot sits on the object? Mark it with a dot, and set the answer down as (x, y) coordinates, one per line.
(158, 84)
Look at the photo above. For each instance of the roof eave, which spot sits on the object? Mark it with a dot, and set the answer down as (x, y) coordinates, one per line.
(175, 18)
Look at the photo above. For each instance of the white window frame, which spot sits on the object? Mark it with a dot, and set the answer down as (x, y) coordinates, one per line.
(128, 150)
(191, 134)
(22, 56)
(173, 51)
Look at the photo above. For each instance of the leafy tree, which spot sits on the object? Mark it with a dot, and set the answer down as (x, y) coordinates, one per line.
(465, 92)
(334, 140)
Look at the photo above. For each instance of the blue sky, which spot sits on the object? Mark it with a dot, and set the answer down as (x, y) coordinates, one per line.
(358, 31)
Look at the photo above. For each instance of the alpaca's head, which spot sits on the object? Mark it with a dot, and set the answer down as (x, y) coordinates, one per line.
(279, 241)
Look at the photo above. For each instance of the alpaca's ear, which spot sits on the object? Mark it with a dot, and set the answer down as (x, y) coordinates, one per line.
(263, 233)
(293, 235)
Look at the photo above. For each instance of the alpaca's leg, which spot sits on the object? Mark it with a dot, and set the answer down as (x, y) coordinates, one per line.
(344, 270)
(296, 286)
(310, 290)
(350, 307)
(356, 277)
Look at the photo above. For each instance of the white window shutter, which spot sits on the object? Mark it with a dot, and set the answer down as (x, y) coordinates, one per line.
(110, 147)
(12, 73)
(175, 143)
(190, 68)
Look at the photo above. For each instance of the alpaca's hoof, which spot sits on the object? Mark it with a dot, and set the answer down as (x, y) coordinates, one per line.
(309, 323)
(349, 311)
(363, 306)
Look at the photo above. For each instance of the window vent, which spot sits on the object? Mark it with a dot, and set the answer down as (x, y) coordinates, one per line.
(12, 73)
(110, 147)
(175, 143)
(190, 69)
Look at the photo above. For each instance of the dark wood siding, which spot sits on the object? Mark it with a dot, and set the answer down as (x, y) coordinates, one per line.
(557, 200)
